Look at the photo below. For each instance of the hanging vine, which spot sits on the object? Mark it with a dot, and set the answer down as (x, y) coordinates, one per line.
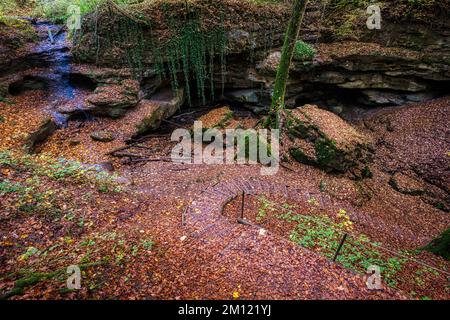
(190, 49)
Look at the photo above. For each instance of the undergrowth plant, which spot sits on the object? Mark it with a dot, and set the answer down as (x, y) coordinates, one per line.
(191, 55)
(322, 233)
(56, 10)
(44, 165)
(303, 51)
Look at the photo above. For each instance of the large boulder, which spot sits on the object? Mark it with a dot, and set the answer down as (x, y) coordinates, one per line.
(42, 132)
(320, 138)
(218, 118)
(151, 112)
(114, 100)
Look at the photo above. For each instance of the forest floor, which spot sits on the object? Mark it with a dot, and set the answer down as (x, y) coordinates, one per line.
(161, 230)
(126, 229)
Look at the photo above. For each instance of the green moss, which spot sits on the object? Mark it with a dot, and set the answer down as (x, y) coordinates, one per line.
(441, 245)
(440, 206)
(326, 152)
(367, 173)
(300, 129)
(222, 124)
(28, 281)
(303, 51)
(16, 32)
(301, 157)
(148, 123)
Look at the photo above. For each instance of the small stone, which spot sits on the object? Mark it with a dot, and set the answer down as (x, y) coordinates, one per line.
(337, 109)
(262, 232)
(74, 142)
(102, 136)
(183, 238)
(107, 166)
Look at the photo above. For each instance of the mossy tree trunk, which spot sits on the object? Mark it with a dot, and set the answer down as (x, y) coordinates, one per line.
(279, 93)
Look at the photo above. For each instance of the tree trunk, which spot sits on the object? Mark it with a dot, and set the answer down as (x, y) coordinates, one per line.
(285, 62)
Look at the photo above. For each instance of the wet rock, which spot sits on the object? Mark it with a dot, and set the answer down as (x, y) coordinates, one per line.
(338, 109)
(320, 138)
(244, 96)
(160, 106)
(102, 136)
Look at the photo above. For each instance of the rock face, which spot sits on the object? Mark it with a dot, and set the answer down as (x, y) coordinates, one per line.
(16, 38)
(320, 138)
(246, 26)
(394, 66)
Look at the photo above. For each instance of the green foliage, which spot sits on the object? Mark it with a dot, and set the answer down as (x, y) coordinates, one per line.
(7, 7)
(265, 206)
(4, 100)
(7, 186)
(346, 4)
(57, 10)
(57, 169)
(303, 51)
(30, 197)
(190, 50)
(323, 234)
(147, 244)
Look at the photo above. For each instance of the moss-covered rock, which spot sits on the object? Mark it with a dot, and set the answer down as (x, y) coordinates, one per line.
(218, 118)
(441, 245)
(320, 138)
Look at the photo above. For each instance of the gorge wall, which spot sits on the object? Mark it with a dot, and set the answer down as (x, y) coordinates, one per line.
(407, 60)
